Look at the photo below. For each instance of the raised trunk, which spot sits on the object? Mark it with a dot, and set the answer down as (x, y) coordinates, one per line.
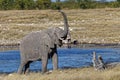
(66, 26)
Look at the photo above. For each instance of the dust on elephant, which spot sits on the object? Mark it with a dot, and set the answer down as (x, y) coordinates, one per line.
(42, 45)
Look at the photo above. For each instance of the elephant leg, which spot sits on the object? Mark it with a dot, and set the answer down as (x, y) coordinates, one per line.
(44, 63)
(21, 67)
(55, 61)
(27, 67)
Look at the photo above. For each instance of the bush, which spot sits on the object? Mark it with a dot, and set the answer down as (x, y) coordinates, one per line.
(6, 4)
(24, 4)
(56, 6)
(43, 4)
(114, 4)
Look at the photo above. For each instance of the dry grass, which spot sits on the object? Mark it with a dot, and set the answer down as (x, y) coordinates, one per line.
(69, 74)
(91, 25)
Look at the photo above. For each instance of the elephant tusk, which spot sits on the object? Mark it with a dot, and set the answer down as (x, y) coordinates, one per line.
(61, 39)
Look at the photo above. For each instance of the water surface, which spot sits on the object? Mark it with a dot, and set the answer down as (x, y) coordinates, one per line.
(68, 58)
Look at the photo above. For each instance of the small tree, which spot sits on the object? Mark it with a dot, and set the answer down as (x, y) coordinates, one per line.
(43, 4)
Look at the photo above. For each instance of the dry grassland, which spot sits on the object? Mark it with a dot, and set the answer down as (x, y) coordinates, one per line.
(90, 25)
(68, 74)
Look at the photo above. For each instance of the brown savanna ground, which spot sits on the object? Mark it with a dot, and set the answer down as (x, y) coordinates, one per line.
(90, 26)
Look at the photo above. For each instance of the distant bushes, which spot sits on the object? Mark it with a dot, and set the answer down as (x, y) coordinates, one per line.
(85, 5)
(24, 4)
(47, 4)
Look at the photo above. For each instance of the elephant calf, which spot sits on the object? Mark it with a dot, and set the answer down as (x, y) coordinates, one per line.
(42, 45)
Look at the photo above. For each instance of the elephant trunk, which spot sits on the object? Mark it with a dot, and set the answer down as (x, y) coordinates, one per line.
(66, 26)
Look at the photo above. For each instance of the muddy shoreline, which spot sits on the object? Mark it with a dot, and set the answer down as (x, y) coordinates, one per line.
(99, 45)
(79, 45)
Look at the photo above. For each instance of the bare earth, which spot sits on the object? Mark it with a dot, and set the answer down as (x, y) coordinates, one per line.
(86, 26)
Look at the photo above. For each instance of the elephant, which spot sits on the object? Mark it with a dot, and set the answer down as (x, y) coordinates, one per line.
(41, 46)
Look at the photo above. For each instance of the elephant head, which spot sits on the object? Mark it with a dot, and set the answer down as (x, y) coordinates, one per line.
(57, 35)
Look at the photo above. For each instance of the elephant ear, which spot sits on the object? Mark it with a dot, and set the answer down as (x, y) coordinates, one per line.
(48, 41)
(57, 39)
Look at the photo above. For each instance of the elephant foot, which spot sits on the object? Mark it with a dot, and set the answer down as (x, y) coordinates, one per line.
(19, 72)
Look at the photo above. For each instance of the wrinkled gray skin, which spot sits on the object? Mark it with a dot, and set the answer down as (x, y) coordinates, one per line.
(42, 45)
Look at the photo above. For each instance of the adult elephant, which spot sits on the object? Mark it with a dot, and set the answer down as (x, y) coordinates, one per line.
(42, 45)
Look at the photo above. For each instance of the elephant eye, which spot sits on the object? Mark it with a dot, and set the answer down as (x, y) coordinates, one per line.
(60, 40)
